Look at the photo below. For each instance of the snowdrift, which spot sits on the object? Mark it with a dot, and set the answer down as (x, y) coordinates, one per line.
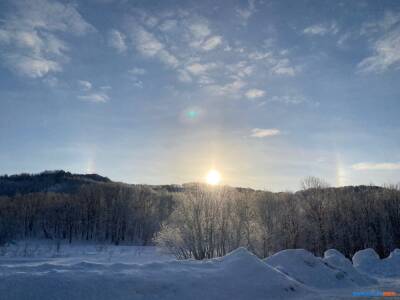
(128, 272)
(368, 261)
(336, 259)
(332, 272)
(239, 275)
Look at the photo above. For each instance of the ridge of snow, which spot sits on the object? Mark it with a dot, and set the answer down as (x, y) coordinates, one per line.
(329, 273)
(368, 261)
(129, 272)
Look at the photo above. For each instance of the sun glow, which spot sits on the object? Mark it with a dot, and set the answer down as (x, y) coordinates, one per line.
(213, 177)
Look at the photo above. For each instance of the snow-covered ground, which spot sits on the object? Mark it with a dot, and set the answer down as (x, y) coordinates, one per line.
(35, 270)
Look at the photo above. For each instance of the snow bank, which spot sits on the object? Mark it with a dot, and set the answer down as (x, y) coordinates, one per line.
(329, 273)
(336, 259)
(239, 275)
(368, 261)
(129, 272)
(366, 258)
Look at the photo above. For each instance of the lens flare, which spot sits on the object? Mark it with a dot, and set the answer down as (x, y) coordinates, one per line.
(192, 114)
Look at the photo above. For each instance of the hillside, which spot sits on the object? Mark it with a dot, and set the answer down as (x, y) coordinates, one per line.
(49, 181)
(63, 206)
(60, 181)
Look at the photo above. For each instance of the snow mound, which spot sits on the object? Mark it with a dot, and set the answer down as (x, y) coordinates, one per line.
(336, 259)
(313, 271)
(238, 275)
(365, 258)
(334, 253)
(368, 261)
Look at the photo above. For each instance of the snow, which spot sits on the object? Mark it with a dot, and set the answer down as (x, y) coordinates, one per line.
(239, 275)
(37, 270)
(368, 261)
(336, 259)
(329, 273)
(48, 251)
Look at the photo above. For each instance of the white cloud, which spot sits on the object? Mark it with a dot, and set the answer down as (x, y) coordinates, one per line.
(386, 54)
(95, 97)
(254, 93)
(389, 20)
(54, 45)
(245, 13)
(341, 42)
(168, 58)
(29, 32)
(228, 48)
(135, 74)
(276, 60)
(137, 71)
(282, 70)
(200, 69)
(148, 45)
(51, 81)
(316, 30)
(151, 21)
(230, 89)
(85, 85)
(386, 23)
(368, 166)
(93, 94)
(168, 25)
(384, 36)
(205, 80)
(116, 40)
(137, 83)
(30, 40)
(30, 66)
(188, 44)
(184, 76)
(260, 55)
(245, 71)
(200, 30)
(241, 69)
(283, 67)
(50, 16)
(290, 99)
(181, 40)
(211, 43)
(201, 37)
(321, 29)
(262, 133)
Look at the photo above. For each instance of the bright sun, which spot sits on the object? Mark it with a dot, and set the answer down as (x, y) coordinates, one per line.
(213, 177)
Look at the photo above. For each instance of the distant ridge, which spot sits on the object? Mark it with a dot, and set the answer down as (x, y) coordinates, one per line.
(57, 181)
(60, 181)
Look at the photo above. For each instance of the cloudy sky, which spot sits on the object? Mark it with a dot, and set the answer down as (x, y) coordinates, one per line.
(266, 92)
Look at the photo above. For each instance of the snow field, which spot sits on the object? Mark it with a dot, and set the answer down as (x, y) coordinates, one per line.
(130, 272)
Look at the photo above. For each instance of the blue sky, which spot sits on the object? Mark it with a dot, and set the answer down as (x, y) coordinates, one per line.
(266, 92)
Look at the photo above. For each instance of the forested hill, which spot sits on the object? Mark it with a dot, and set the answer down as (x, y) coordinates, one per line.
(60, 181)
(48, 181)
(197, 220)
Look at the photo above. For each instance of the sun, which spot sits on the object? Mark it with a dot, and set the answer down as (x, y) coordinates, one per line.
(213, 177)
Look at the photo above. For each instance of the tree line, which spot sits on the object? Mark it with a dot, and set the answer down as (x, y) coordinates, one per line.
(209, 221)
(102, 212)
(200, 221)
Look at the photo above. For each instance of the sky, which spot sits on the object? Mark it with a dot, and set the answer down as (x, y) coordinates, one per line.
(159, 92)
